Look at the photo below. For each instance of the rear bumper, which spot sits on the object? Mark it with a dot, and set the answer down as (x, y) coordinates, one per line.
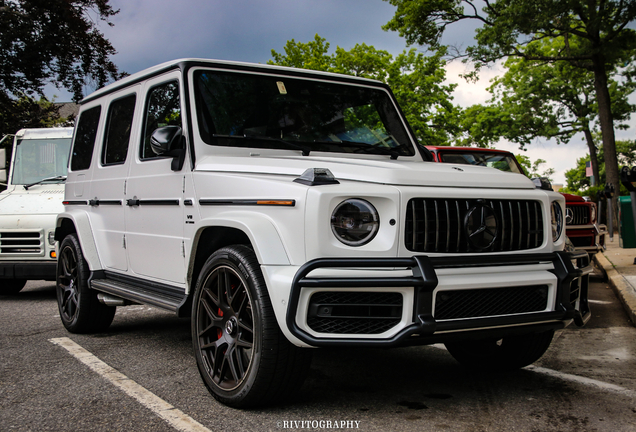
(30, 270)
(568, 270)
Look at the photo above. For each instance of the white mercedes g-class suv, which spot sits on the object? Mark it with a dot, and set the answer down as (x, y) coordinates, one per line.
(284, 209)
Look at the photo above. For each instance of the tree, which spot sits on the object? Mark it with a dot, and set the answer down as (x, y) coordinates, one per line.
(509, 28)
(52, 41)
(28, 112)
(416, 80)
(532, 168)
(578, 183)
(542, 99)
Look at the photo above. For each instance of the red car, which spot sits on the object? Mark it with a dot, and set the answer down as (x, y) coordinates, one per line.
(582, 226)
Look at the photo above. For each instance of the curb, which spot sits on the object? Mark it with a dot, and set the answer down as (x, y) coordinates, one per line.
(623, 289)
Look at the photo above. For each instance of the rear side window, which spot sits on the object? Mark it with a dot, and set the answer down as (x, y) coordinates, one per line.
(85, 139)
(163, 108)
(118, 128)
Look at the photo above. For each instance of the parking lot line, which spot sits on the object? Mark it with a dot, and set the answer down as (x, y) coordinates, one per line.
(574, 378)
(176, 418)
(583, 380)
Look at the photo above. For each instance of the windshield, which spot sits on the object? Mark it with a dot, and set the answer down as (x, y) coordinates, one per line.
(38, 159)
(502, 162)
(262, 111)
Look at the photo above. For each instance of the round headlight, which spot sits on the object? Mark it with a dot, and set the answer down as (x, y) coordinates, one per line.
(355, 222)
(557, 221)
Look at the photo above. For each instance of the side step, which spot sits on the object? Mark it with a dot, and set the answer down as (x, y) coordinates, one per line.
(170, 300)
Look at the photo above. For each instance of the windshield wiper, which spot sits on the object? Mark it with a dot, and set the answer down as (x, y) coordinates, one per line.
(305, 150)
(58, 178)
(375, 148)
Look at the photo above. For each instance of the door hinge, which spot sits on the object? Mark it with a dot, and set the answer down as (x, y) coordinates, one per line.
(123, 243)
(125, 187)
(183, 248)
(184, 182)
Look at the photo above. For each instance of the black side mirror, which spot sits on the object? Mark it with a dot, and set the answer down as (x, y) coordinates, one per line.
(542, 183)
(169, 141)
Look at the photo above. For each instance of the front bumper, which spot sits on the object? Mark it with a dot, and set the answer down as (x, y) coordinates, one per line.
(30, 270)
(590, 238)
(569, 269)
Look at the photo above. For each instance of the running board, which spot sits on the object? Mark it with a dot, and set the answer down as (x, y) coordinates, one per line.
(140, 294)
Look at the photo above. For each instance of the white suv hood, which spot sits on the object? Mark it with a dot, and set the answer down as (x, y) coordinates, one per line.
(391, 172)
(38, 200)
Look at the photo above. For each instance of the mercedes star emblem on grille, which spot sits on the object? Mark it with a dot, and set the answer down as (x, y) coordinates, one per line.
(569, 216)
(480, 225)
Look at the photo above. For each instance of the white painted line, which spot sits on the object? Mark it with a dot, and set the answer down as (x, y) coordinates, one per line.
(176, 418)
(599, 302)
(574, 378)
(583, 380)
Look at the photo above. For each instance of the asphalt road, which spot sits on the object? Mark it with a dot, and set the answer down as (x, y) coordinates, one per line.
(585, 382)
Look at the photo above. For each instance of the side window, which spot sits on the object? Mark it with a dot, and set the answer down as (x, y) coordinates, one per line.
(118, 127)
(163, 108)
(85, 139)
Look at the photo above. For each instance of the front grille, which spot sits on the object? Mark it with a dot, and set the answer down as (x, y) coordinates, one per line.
(354, 312)
(580, 214)
(475, 303)
(438, 225)
(21, 242)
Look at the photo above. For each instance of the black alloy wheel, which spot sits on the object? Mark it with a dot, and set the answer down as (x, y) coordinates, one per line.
(225, 327)
(80, 310)
(242, 356)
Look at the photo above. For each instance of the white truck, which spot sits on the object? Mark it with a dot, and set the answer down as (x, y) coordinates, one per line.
(285, 209)
(30, 204)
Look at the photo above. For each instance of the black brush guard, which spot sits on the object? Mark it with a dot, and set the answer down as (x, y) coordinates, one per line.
(572, 270)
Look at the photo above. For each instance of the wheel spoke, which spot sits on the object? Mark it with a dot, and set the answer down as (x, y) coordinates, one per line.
(220, 364)
(236, 368)
(244, 300)
(244, 344)
(245, 326)
(69, 304)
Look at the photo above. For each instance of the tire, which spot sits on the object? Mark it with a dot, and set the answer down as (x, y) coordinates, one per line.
(242, 356)
(80, 310)
(11, 286)
(508, 353)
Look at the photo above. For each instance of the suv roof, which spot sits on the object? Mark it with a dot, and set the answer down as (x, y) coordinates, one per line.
(186, 63)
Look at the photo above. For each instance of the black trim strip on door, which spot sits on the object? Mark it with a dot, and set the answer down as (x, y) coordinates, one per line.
(161, 202)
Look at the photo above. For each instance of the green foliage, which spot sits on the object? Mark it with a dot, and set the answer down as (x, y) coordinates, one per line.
(28, 112)
(532, 168)
(53, 41)
(542, 99)
(416, 80)
(578, 184)
(595, 36)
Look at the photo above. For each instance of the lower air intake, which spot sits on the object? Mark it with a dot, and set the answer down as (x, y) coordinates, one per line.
(476, 303)
(354, 312)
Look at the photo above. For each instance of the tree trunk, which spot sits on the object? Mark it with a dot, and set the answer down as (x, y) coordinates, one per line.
(591, 146)
(607, 129)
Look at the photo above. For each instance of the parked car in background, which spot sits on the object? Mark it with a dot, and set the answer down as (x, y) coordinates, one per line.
(581, 216)
(30, 204)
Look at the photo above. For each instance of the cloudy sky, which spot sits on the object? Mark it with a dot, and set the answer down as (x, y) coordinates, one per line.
(148, 32)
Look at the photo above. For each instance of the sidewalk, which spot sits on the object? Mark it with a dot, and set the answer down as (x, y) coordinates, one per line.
(618, 265)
